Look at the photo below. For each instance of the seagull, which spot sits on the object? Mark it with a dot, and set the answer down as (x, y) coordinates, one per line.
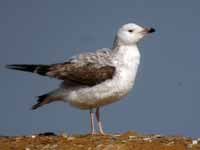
(91, 80)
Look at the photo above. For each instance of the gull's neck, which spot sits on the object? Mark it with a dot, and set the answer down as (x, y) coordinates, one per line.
(128, 55)
(126, 59)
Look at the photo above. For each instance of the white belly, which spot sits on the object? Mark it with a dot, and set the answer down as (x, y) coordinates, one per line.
(104, 93)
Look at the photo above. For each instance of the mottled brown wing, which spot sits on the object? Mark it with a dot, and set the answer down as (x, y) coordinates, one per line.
(83, 74)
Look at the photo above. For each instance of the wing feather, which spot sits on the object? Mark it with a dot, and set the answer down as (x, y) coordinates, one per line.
(84, 74)
(87, 68)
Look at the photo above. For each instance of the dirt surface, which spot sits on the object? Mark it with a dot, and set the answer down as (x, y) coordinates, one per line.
(125, 141)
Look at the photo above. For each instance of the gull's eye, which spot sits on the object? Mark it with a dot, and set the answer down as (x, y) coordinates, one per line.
(130, 31)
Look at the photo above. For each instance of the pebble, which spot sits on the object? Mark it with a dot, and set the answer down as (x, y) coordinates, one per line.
(189, 145)
(64, 135)
(109, 147)
(147, 139)
(132, 137)
(198, 140)
(99, 147)
(70, 138)
(117, 135)
(170, 143)
(157, 136)
(194, 142)
(33, 136)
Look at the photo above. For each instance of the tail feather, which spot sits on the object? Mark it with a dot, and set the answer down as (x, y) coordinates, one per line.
(39, 69)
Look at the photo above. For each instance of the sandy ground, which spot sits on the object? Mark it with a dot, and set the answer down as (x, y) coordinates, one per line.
(125, 141)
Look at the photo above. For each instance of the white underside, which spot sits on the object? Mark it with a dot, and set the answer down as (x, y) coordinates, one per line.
(126, 60)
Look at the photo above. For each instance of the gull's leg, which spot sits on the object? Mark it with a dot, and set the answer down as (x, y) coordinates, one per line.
(92, 121)
(99, 121)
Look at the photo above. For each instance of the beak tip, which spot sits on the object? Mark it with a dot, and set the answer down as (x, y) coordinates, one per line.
(151, 30)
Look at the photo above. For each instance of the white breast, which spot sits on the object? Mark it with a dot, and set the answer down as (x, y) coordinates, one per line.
(126, 60)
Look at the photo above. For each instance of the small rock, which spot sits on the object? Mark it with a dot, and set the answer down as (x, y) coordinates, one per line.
(189, 145)
(170, 143)
(147, 139)
(116, 135)
(64, 135)
(123, 141)
(98, 147)
(47, 134)
(157, 136)
(109, 147)
(18, 138)
(132, 137)
(198, 140)
(70, 138)
(46, 147)
(194, 142)
(33, 136)
(54, 146)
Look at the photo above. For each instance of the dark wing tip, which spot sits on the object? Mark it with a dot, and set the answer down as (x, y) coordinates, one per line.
(40, 101)
(10, 66)
(22, 67)
(39, 69)
(34, 107)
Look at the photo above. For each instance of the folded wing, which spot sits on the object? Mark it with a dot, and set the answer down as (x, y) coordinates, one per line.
(86, 69)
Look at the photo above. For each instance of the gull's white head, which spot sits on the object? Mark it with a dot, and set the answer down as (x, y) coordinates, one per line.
(130, 34)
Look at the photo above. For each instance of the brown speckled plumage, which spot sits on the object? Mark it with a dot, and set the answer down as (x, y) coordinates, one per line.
(85, 69)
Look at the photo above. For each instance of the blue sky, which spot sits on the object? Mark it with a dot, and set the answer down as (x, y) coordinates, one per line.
(166, 97)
